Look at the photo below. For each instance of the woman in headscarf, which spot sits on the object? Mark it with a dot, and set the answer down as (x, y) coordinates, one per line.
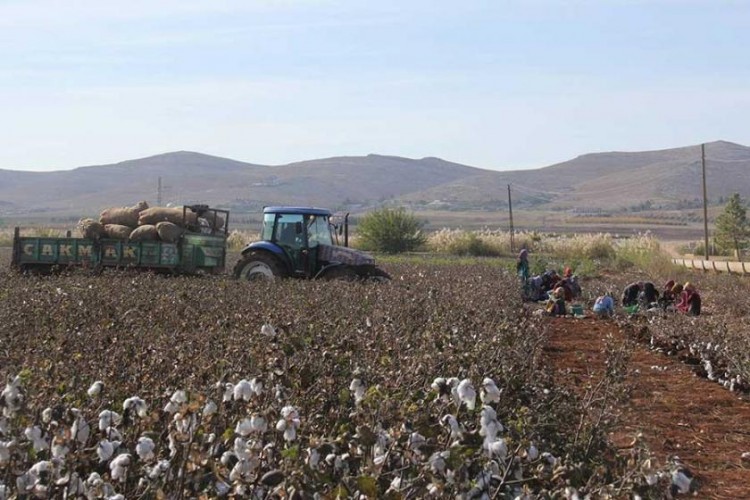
(630, 294)
(669, 294)
(556, 303)
(649, 294)
(522, 265)
(690, 300)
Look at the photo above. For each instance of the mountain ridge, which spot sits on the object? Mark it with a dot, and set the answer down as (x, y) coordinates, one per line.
(613, 180)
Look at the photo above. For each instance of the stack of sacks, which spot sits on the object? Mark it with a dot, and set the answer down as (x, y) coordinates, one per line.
(141, 223)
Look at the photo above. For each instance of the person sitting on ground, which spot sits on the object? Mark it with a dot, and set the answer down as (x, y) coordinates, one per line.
(630, 294)
(668, 297)
(604, 305)
(570, 284)
(550, 280)
(648, 295)
(690, 300)
(533, 289)
(556, 302)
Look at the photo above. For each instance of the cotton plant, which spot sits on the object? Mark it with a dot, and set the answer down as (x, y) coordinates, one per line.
(453, 426)
(34, 435)
(80, 430)
(178, 398)
(357, 388)
(12, 397)
(145, 448)
(109, 418)
(95, 389)
(489, 392)
(135, 405)
(288, 423)
(466, 393)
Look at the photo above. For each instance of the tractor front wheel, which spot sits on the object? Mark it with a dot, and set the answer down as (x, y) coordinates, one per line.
(258, 266)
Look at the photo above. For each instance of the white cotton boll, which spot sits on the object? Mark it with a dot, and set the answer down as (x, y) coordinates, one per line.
(112, 434)
(34, 434)
(358, 390)
(179, 397)
(532, 453)
(59, 450)
(13, 397)
(158, 470)
(268, 330)
(490, 392)
(652, 479)
(281, 425)
(496, 448)
(258, 424)
(119, 496)
(105, 449)
(240, 449)
(137, 405)
(313, 458)
(289, 412)
(243, 390)
(453, 384)
(451, 422)
(416, 440)
(290, 433)
(95, 389)
(171, 407)
(256, 385)
(681, 479)
(47, 415)
(228, 393)
(109, 418)
(80, 430)
(466, 393)
(244, 427)
(145, 448)
(209, 409)
(119, 467)
(5, 451)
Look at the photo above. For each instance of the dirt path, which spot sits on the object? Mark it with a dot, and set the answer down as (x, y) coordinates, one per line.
(707, 426)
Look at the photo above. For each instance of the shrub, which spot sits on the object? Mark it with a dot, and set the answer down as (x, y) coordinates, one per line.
(390, 230)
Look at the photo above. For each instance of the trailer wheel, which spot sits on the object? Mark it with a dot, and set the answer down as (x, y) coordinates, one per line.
(258, 266)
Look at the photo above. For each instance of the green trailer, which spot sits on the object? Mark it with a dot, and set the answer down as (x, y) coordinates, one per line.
(195, 252)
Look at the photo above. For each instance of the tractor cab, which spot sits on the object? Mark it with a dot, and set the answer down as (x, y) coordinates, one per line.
(298, 232)
(302, 242)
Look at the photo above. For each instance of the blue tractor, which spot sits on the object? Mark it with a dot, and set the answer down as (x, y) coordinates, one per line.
(301, 242)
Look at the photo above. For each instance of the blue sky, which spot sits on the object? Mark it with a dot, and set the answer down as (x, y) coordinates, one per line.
(494, 84)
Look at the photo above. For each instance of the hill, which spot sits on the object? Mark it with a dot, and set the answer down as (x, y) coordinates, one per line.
(611, 181)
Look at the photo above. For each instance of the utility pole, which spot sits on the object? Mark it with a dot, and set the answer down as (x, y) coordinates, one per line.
(705, 202)
(510, 211)
(160, 188)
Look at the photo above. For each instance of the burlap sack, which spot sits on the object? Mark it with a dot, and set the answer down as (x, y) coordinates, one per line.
(125, 216)
(90, 229)
(117, 231)
(155, 215)
(168, 232)
(216, 222)
(144, 233)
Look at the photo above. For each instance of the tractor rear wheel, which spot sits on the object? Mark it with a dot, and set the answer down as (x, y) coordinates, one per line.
(258, 266)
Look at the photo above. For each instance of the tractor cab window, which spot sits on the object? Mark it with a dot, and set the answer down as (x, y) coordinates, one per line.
(318, 230)
(289, 230)
(268, 221)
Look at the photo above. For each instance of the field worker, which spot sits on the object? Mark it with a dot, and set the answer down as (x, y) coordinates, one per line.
(604, 306)
(690, 300)
(533, 290)
(522, 265)
(550, 279)
(649, 295)
(668, 296)
(556, 303)
(630, 294)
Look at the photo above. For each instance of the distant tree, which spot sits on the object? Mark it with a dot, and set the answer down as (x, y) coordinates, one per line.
(732, 226)
(390, 230)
